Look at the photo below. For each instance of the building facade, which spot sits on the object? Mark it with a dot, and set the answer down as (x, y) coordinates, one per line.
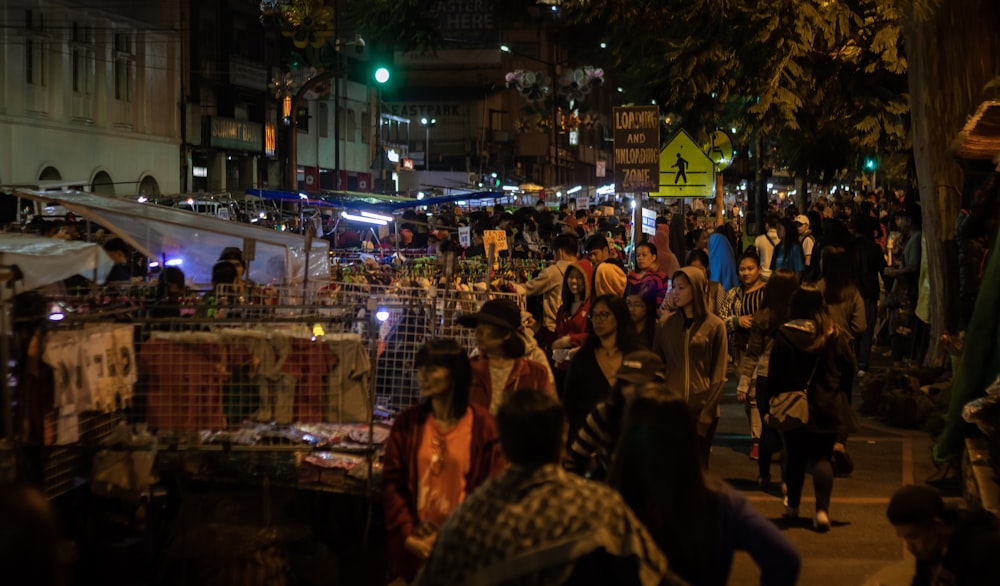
(89, 94)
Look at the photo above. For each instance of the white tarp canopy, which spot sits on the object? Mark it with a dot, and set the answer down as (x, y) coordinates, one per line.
(193, 241)
(41, 261)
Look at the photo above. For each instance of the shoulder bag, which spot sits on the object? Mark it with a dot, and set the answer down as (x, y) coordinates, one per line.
(790, 410)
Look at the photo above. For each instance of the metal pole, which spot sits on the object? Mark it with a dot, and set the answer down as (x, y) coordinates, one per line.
(7, 398)
(427, 146)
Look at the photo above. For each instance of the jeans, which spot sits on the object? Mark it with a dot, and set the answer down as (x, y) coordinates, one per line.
(802, 447)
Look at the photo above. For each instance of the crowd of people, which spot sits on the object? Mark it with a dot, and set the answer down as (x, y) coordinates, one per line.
(640, 357)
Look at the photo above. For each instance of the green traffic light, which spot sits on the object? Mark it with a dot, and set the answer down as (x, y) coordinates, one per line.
(871, 164)
(381, 75)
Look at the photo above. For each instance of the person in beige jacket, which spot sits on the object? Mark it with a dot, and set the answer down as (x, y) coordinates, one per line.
(694, 347)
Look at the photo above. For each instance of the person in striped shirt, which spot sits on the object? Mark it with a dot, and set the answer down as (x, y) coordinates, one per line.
(590, 451)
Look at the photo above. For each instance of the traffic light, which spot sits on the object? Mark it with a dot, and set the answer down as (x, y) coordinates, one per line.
(871, 163)
(381, 74)
(496, 180)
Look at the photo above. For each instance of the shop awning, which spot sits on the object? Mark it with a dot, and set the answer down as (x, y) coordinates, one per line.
(193, 241)
(28, 262)
(979, 139)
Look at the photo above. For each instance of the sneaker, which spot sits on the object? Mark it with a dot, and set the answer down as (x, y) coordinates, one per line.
(763, 481)
(755, 452)
(790, 512)
(821, 522)
(862, 373)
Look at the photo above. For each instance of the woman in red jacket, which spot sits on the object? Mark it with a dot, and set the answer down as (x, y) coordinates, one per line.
(438, 452)
(571, 317)
(501, 366)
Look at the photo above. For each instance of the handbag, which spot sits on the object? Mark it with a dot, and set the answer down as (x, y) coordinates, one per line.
(790, 410)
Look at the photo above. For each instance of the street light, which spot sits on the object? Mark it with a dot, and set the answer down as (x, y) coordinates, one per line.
(427, 123)
(381, 76)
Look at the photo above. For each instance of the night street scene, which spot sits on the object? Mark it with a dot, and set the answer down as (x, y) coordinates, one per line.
(499, 292)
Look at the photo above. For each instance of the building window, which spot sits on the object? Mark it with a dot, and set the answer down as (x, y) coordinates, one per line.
(323, 119)
(34, 48)
(366, 123)
(124, 67)
(239, 40)
(84, 59)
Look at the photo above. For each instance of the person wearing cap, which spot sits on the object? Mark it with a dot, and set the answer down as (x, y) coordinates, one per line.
(806, 239)
(501, 367)
(951, 546)
(590, 450)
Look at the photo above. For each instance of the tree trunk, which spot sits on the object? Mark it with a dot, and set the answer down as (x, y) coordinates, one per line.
(952, 56)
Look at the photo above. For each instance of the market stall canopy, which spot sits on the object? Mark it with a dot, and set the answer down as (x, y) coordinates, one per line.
(344, 199)
(474, 199)
(28, 262)
(979, 139)
(193, 241)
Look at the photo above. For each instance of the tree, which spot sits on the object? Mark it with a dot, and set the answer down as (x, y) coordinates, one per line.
(826, 80)
(952, 49)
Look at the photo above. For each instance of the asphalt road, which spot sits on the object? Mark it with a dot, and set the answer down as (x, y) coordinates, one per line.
(862, 547)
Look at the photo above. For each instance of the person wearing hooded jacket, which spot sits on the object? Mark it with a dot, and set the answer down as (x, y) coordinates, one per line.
(811, 352)
(693, 344)
(722, 259)
(666, 261)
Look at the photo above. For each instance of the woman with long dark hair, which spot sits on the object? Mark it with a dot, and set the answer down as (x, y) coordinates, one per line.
(788, 253)
(752, 386)
(592, 370)
(843, 300)
(811, 352)
(438, 451)
(641, 302)
(697, 521)
(571, 317)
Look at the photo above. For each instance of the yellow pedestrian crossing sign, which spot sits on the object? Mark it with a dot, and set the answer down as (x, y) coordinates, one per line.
(685, 169)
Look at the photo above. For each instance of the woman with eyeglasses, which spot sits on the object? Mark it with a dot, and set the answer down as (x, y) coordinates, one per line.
(438, 452)
(592, 371)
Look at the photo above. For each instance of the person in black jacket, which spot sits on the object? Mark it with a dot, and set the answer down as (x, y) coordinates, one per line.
(869, 266)
(811, 352)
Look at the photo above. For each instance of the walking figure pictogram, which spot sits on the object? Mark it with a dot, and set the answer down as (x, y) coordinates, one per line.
(681, 166)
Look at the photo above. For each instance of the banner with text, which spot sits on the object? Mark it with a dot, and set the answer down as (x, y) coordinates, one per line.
(637, 148)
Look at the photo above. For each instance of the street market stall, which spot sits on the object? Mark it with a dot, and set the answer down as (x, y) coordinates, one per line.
(193, 241)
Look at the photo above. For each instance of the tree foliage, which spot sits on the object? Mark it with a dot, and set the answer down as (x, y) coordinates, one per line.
(825, 78)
